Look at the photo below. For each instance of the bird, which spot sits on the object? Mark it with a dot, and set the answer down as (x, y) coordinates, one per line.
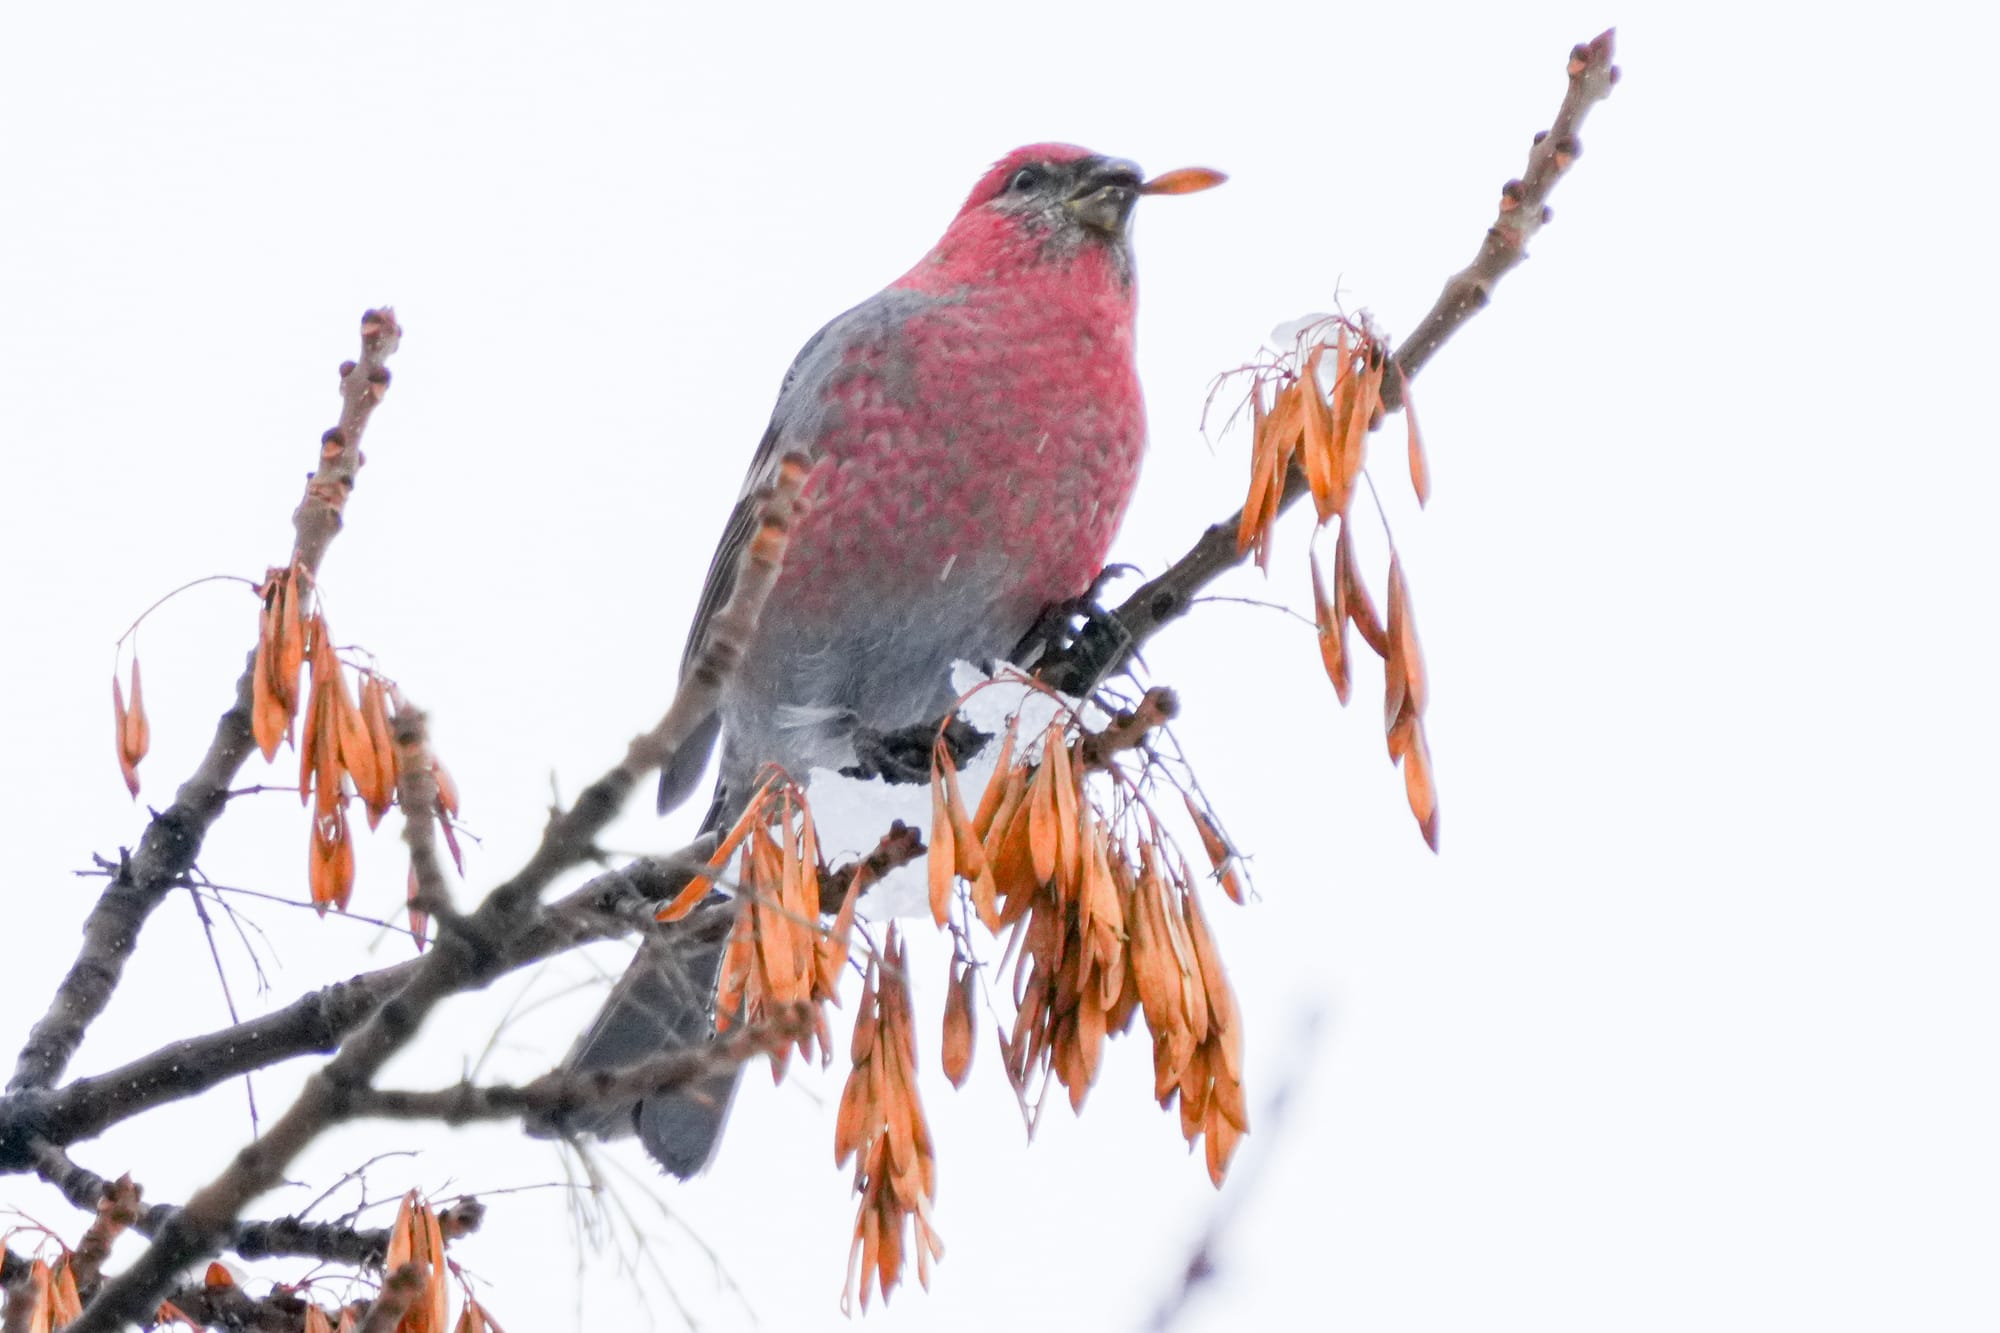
(974, 433)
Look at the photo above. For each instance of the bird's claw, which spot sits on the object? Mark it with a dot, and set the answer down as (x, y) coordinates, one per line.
(904, 755)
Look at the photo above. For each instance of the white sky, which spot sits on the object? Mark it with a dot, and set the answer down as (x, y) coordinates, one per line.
(1692, 1023)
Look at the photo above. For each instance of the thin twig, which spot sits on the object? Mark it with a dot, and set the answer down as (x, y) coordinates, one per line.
(228, 999)
(607, 906)
(1108, 641)
(563, 1092)
(417, 794)
(462, 954)
(266, 1239)
(174, 837)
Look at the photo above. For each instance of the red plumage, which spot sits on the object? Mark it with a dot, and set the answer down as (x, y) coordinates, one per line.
(975, 431)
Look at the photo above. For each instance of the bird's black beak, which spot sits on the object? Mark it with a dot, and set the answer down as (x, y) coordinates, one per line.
(1106, 189)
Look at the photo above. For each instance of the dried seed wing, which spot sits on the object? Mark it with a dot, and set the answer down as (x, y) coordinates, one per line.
(1043, 842)
(118, 714)
(1183, 180)
(1395, 681)
(437, 1289)
(65, 1304)
(1069, 830)
(1147, 954)
(1013, 864)
(1321, 462)
(309, 748)
(268, 718)
(1420, 466)
(375, 712)
(996, 787)
(866, 1019)
(1367, 395)
(357, 750)
(136, 732)
(739, 969)
(1263, 475)
(833, 953)
(402, 1234)
(1226, 1095)
(850, 1125)
(1219, 854)
(291, 637)
(1332, 635)
(1361, 607)
(1221, 1146)
(958, 1023)
(944, 851)
(446, 788)
(698, 887)
(1195, 1083)
(1408, 649)
(1420, 786)
(1214, 981)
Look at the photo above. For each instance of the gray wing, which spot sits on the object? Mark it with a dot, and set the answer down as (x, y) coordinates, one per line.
(797, 424)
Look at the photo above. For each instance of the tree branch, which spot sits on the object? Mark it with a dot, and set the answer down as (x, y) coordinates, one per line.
(606, 907)
(173, 839)
(465, 948)
(274, 1238)
(237, 1310)
(561, 1092)
(417, 794)
(1107, 641)
(1523, 211)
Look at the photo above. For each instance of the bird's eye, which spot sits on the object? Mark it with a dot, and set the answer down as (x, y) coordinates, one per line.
(1027, 178)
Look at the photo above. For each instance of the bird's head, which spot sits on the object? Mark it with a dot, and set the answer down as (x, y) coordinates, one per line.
(1058, 189)
(1044, 204)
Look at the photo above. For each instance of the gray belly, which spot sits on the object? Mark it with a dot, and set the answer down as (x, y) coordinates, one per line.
(807, 685)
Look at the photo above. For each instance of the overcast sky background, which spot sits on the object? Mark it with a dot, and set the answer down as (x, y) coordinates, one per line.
(1691, 1023)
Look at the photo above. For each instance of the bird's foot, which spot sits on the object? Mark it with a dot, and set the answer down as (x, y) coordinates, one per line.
(1075, 644)
(904, 755)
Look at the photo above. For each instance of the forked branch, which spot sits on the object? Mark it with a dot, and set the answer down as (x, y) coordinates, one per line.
(1107, 642)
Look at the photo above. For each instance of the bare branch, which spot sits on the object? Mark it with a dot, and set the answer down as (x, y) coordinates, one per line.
(1157, 707)
(362, 383)
(277, 1237)
(111, 931)
(466, 950)
(896, 848)
(117, 1210)
(561, 1092)
(235, 1309)
(1523, 210)
(610, 905)
(173, 839)
(417, 794)
(1108, 641)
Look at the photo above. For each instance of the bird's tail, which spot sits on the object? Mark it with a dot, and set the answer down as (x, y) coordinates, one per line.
(664, 1002)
